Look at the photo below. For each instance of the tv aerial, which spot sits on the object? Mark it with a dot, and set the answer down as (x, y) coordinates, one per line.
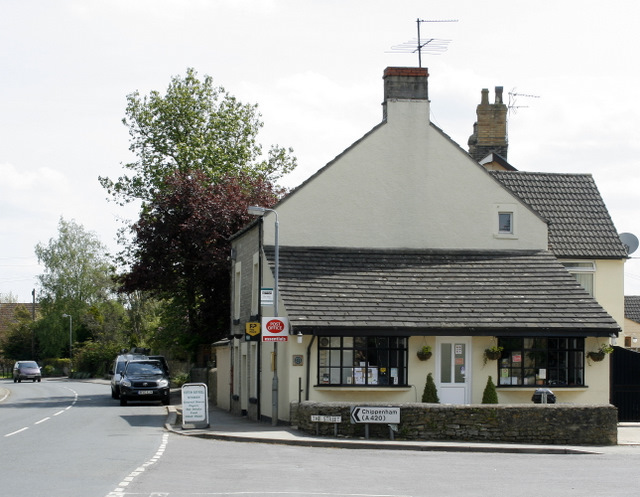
(513, 98)
(431, 46)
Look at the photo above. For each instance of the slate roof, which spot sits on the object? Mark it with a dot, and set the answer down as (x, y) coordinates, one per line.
(426, 292)
(632, 307)
(579, 222)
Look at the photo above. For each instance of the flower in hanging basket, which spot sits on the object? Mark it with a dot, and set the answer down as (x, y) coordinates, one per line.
(424, 353)
(493, 353)
(599, 354)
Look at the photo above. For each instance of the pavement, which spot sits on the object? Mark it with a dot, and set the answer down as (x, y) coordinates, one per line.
(223, 425)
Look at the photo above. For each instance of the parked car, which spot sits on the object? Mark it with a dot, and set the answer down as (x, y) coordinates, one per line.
(26, 370)
(118, 368)
(144, 379)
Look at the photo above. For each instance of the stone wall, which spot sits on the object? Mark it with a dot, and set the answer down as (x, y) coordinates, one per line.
(556, 424)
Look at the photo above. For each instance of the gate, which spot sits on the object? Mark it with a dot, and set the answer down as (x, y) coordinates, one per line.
(625, 383)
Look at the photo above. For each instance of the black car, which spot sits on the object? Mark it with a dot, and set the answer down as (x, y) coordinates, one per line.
(144, 379)
(26, 370)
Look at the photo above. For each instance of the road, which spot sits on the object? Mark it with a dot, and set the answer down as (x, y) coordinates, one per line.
(69, 438)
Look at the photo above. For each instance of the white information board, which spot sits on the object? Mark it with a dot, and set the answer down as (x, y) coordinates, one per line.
(195, 406)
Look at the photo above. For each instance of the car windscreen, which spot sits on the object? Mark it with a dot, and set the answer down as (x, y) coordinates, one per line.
(143, 368)
(28, 365)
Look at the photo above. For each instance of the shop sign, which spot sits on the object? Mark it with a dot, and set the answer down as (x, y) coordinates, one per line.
(275, 329)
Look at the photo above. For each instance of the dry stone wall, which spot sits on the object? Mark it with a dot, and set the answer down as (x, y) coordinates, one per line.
(555, 424)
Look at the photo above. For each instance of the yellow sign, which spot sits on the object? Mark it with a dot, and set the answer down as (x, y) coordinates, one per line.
(252, 329)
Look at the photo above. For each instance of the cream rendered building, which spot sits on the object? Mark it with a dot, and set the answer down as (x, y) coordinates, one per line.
(404, 241)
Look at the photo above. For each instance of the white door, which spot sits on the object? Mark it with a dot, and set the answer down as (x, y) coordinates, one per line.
(453, 370)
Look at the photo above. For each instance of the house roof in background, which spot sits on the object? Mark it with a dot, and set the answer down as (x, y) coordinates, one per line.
(413, 292)
(632, 307)
(578, 219)
(7, 314)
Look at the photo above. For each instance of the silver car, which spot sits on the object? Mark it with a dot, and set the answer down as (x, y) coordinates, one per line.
(26, 370)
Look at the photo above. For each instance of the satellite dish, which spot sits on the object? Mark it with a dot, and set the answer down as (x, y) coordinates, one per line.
(630, 242)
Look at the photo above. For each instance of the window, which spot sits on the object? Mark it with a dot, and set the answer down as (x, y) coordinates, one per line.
(362, 361)
(255, 285)
(541, 361)
(584, 272)
(505, 222)
(236, 290)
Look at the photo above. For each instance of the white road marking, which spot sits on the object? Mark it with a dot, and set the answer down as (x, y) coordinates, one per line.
(16, 432)
(73, 403)
(119, 491)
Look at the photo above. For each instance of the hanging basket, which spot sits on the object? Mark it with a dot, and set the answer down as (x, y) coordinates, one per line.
(423, 356)
(493, 355)
(596, 356)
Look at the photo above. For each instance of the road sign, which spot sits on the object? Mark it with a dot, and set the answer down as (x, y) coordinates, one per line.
(275, 329)
(318, 418)
(266, 296)
(386, 415)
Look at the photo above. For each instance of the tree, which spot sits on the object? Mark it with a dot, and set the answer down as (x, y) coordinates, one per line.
(77, 275)
(198, 166)
(193, 127)
(182, 247)
(19, 342)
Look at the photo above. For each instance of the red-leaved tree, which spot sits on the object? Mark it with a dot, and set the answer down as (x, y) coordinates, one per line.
(181, 248)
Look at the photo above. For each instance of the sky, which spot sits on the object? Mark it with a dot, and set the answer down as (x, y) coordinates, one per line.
(569, 69)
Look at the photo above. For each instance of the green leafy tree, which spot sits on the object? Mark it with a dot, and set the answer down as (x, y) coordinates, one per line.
(77, 276)
(198, 166)
(20, 342)
(195, 126)
(490, 395)
(430, 393)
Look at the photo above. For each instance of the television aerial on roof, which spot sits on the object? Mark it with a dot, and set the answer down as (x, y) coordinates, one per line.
(431, 46)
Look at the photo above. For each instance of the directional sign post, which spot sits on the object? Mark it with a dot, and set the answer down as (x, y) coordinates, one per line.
(384, 415)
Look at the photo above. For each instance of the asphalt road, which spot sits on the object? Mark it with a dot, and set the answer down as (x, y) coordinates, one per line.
(65, 438)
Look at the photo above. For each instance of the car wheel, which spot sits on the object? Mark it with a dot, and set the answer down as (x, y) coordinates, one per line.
(123, 401)
(15, 380)
(34, 380)
(19, 380)
(39, 380)
(114, 395)
(166, 401)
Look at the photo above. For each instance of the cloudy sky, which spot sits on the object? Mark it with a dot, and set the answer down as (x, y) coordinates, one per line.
(314, 67)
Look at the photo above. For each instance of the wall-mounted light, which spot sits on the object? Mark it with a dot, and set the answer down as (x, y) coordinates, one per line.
(299, 335)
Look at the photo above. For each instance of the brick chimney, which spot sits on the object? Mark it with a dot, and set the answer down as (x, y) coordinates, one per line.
(405, 83)
(490, 130)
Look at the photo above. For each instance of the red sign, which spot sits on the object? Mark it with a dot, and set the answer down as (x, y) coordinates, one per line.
(275, 329)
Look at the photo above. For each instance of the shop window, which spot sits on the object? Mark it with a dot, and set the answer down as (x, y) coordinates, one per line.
(362, 361)
(541, 362)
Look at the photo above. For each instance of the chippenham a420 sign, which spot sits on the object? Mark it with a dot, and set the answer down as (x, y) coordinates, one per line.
(275, 329)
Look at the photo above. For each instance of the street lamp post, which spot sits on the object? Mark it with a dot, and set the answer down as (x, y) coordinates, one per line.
(260, 211)
(70, 334)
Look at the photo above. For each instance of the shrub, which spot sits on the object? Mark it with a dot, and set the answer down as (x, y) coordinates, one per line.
(430, 394)
(490, 395)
